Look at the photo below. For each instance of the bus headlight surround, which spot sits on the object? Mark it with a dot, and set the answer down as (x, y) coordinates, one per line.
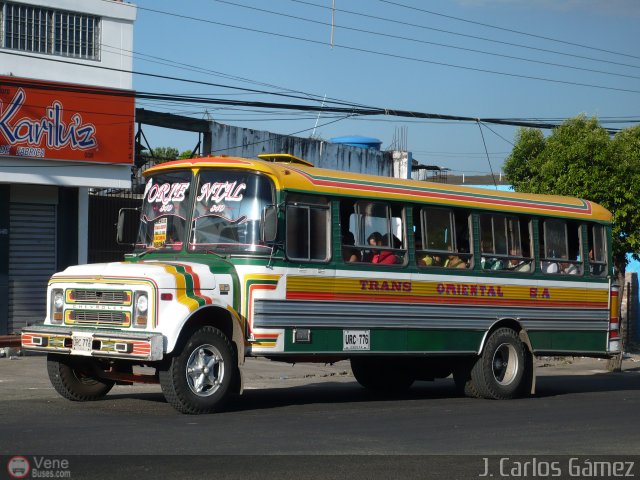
(141, 309)
(58, 300)
(142, 303)
(57, 305)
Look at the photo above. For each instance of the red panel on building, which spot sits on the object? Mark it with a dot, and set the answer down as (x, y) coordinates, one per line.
(60, 121)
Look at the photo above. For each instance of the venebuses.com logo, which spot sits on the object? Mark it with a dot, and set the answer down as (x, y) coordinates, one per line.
(18, 467)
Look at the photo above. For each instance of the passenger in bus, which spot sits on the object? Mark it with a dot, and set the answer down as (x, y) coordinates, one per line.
(381, 256)
(550, 267)
(486, 262)
(430, 260)
(570, 268)
(594, 269)
(518, 264)
(454, 261)
(349, 252)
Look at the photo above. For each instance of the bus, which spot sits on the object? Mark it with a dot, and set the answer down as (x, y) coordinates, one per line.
(272, 257)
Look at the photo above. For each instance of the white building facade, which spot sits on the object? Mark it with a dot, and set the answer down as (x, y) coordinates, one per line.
(66, 125)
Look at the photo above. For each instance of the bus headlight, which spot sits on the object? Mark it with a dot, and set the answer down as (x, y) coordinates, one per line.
(57, 305)
(141, 310)
(142, 303)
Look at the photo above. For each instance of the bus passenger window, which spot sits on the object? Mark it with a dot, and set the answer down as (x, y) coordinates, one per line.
(560, 247)
(505, 243)
(308, 228)
(597, 250)
(442, 239)
(379, 230)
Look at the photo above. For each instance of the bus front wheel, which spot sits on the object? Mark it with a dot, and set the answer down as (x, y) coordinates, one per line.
(501, 371)
(76, 378)
(198, 378)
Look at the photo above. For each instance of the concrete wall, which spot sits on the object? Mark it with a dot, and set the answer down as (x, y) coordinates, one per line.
(248, 143)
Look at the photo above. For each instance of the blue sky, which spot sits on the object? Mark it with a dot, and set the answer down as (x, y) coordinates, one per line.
(394, 73)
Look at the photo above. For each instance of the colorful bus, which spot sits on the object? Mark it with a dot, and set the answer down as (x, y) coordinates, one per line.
(275, 258)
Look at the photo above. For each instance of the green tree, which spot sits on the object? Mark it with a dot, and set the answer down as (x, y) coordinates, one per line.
(186, 154)
(580, 159)
(165, 154)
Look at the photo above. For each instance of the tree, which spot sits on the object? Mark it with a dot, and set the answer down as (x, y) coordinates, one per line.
(580, 159)
(165, 154)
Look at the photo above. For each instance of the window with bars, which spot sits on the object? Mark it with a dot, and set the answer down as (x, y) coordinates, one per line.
(45, 30)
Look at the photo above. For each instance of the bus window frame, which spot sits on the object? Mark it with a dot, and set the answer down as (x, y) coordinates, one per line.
(361, 240)
(506, 261)
(306, 202)
(593, 264)
(440, 256)
(547, 263)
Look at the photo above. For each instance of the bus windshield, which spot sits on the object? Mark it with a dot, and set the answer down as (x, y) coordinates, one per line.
(227, 210)
(227, 207)
(164, 212)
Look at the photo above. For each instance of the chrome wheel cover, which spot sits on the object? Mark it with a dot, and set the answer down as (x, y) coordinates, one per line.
(205, 370)
(504, 364)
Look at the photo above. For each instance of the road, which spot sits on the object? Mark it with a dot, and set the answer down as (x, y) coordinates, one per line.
(579, 409)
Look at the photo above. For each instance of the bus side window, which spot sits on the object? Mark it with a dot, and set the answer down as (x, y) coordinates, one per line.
(308, 225)
(597, 248)
(379, 232)
(561, 247)
(444, 238)
(505, 243)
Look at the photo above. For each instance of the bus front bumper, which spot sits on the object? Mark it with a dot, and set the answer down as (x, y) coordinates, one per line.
(93, 343)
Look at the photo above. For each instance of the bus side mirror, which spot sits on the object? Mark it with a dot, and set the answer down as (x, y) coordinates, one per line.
(269, 227)
(127, 226)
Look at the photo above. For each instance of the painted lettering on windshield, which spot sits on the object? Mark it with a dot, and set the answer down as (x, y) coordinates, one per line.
(166, 193)
(220, 192)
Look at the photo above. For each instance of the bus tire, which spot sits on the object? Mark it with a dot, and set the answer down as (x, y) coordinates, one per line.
(500, 372)
(464, 384)
(381, 374)
(198, 378)
(76, 379)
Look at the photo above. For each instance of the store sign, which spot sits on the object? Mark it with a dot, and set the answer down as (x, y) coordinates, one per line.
(56, 121)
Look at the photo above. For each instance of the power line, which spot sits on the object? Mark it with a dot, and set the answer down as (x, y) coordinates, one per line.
(542, 37)
(353, 110)
(195, 68)
(405, 23)
(425, 42)
(390, 55)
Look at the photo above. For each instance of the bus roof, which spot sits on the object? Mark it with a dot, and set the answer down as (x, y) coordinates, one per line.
(301, 178)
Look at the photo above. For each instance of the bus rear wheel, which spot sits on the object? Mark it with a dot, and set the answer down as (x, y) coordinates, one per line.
(501, 371)
(381, 374)
(198, 378)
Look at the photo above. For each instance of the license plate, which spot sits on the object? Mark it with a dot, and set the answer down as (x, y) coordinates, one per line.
(82, 343)
(356, 340)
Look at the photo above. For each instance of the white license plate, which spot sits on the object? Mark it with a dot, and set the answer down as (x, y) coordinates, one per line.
(82, 343)
(356, 340)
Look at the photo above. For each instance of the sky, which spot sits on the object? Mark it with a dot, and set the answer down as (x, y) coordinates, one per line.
(532, 59)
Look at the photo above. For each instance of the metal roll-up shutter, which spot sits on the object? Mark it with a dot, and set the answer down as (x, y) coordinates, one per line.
(32, 260)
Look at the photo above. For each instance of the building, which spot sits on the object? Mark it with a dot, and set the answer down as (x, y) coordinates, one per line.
(66, 125)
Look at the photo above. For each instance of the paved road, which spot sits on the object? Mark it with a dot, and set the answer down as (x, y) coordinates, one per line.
(579, 409)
